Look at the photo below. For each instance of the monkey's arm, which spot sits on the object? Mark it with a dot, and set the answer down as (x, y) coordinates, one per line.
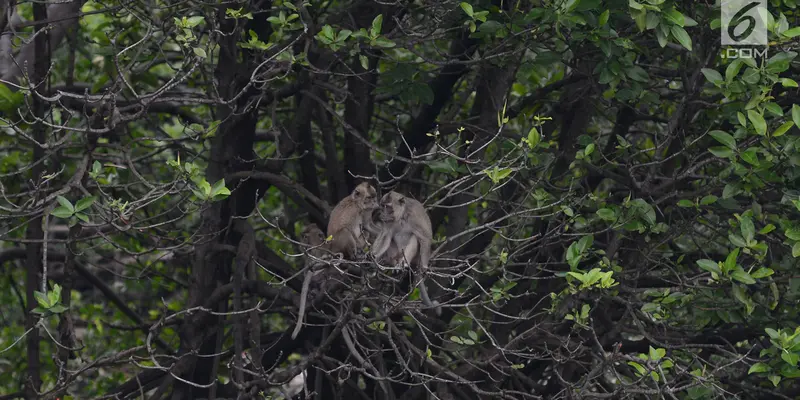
(368, 224)
(382, 243)
(424, 253)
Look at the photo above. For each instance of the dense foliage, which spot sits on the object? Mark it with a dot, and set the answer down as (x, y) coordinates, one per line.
(613, 198)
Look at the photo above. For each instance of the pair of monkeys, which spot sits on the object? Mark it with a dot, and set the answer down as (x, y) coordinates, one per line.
(402, 236)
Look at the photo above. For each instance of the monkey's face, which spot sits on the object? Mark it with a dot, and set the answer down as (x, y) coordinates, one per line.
(313, 235)
(393, 207)
(365, 196)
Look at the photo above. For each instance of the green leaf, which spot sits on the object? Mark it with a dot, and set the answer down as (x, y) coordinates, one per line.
(84, 203)
(62, 212)
(767, 229)
(757, 368)
(603, 19)
(640, 18)
(674, 16)
(724, 138)
(742, 119)
(748, 229)
(585, 242)
(653, 21)
(796, 115)
(81, 216)
(730, 261)
(589, 149)
(219, 191)
(41, 299)
(796, 250)
(762, 273)
(343, 35)
(772, 333)
(783, 129)
(709, 265)
(661, 37)
(645, 210)
(792, 233)
(639, 368)
(534, 137)
(11, 99)
(733, 69)
(710, 199)
(730, 191)
(739, 294)
(65, 203)
(497, 174)
(467, 8)
(194, 21)
(712, 75)
(780, 61)
(773, 108)
(327, 33)
(638, 74)
(656, 354)
(57, 309)
(198, 51)
(758, 122)
(606, 214)
(650, 307)
(742, 276)
(750, 156)
(579, 276)
(377, 23)
(790, 33)
(721, 152)
(788, 82)
(685, 203)
(790, 358)
(383, 42)
(681, 36)
(54, 295)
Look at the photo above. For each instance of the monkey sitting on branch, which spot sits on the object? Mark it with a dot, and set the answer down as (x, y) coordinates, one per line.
(349, 224)
(405, 239)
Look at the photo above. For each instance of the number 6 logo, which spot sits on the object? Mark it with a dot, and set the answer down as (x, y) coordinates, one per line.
(738, 14)
(741, 17)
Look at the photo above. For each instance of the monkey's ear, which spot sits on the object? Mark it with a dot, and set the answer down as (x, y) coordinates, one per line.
(402, 200)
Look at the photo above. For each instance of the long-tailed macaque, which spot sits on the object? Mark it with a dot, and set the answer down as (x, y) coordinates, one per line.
(351, 221)
(313, 237)
(405, 238)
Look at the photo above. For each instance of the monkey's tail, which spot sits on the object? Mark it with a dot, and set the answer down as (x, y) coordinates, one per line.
(303, 299)
(423, 291)
(438, 308)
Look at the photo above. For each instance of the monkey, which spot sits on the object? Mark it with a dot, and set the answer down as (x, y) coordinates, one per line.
(351, 222)
(313, 237)
(405, 238)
